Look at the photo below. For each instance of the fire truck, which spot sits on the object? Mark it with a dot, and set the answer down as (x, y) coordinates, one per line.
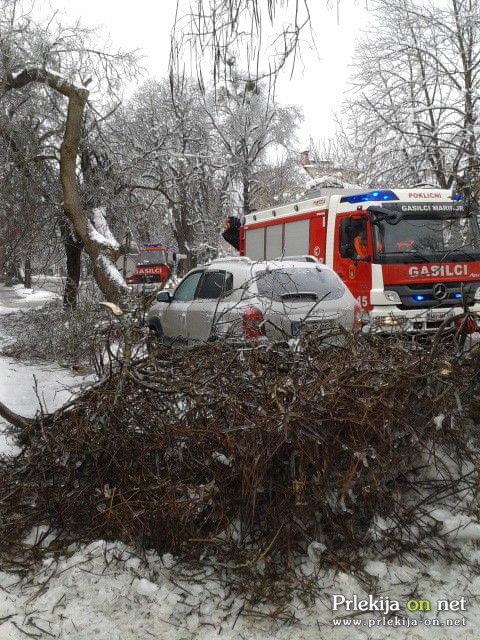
(420, 263)
(149, 266)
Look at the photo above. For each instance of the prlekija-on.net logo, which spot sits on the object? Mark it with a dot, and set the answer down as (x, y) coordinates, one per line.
(384, 611)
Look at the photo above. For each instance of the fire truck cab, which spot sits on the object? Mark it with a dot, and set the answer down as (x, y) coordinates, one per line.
(411, 257)
(151, 266)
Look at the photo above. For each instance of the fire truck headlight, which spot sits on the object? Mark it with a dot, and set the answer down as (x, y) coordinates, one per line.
(392, 296)
(477, 294)
(390, 321)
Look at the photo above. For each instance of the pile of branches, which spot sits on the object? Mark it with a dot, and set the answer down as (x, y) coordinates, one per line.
(252, 452)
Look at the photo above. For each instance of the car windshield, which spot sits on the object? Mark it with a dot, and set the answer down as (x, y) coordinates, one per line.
(296, 283)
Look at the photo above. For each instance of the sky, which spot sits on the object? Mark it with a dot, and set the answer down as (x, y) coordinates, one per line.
(319, 78)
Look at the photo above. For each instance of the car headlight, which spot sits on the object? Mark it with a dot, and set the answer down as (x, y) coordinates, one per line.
(392, 296)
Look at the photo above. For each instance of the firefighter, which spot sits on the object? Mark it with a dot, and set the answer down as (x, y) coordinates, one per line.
(360, 245)
(232, 231)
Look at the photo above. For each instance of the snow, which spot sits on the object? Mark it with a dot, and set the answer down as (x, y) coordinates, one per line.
(111, 270)
(16, 298)
(99, 231)
(105, 591)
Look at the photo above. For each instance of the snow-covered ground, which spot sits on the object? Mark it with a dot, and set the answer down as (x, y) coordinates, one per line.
(28, 388)
(105, 591)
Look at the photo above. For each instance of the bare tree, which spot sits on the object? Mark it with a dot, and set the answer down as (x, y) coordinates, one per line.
(26, 182)
(413, 114)
(190, 159)
(237, 49)
(248, 124)
(220, 32)
(278, 180)
(164, 152)
(64, 60)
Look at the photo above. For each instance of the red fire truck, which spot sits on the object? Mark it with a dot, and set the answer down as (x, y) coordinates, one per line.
(150, 265)
(420, 262)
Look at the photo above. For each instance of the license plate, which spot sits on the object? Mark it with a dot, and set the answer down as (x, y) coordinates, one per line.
(308, 327)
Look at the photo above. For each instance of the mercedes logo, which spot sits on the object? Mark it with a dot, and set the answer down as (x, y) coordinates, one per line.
(440, 291)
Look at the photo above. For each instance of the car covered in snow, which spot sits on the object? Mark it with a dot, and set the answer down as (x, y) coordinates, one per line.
(237, 298)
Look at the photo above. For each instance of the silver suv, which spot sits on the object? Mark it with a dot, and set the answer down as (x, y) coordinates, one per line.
(236, 298)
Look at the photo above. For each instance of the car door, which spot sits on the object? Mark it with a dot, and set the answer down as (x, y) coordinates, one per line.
(208, 303)
(174, 317)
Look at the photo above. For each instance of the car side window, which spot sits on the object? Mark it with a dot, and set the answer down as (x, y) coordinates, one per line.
(228, 284)
(215, 284)
(186, 289)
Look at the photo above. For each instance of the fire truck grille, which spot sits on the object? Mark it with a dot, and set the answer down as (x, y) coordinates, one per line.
(436, 294)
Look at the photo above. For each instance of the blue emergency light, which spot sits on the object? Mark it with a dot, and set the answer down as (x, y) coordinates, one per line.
(379, 195)
(419, 298)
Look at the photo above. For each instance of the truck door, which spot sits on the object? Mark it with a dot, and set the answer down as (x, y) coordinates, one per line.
(353, 255)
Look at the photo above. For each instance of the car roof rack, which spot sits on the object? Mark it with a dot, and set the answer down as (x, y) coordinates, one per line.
(302, 258)
(243, 259)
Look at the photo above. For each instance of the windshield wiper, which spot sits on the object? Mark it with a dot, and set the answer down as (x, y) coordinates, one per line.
(417, 254)
(411, 253)
(462, 246)
(463, 256)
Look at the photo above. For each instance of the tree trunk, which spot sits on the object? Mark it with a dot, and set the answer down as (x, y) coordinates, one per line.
(73, 252)
(102, 256)
(184, 233)
(27, 283)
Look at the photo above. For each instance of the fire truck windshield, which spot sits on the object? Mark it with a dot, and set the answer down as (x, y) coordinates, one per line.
(151, 256)
(403, 236)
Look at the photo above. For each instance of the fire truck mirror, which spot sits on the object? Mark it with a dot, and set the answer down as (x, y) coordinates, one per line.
(346, 251)
(179, 256)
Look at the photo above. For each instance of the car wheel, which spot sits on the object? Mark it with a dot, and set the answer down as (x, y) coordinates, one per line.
(155, 335)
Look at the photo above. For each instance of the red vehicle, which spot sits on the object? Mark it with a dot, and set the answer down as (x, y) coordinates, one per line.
(420, 264)
(151, 265)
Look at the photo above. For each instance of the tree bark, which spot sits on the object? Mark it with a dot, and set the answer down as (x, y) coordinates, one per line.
(73, 250)
(14, 418)
(28, 273)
